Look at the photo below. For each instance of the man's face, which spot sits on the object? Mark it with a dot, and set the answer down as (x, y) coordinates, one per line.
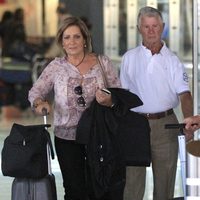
(151, 29)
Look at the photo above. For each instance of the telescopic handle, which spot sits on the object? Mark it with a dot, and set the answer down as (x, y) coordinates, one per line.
(44, 112)
(175, 126)
(49, 145)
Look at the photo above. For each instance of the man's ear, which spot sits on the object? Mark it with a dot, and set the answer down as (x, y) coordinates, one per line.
(163, 25)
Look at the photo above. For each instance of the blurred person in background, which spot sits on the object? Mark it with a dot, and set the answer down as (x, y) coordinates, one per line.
(4, 24)
(6, 89)
(62, 14)
(15, 39)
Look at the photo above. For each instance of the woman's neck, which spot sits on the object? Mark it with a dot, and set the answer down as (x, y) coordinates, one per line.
(76, 60)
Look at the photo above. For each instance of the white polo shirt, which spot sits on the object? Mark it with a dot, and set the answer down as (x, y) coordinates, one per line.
(157, 79)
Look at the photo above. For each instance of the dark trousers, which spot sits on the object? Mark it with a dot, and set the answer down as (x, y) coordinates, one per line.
(116, 193)
(71, 158)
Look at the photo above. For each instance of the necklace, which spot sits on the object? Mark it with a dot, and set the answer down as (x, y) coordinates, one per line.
(80, 61)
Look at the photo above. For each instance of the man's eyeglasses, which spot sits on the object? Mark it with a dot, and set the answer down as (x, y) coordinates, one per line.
(80, 101)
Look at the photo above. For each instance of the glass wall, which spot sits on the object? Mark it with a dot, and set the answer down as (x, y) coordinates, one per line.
(120, 19)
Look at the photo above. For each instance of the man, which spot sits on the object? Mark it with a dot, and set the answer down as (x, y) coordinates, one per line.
(62, 14)
(158, 77)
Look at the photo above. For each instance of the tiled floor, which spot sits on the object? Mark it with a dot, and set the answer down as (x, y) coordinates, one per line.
(27, 119)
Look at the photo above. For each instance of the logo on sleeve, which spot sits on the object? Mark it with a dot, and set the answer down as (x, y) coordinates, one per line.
(185, 77)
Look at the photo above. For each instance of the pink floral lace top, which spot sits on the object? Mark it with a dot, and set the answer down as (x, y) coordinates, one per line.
(62, 77)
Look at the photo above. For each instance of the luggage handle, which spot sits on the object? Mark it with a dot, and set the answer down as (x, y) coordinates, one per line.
(179, 126)
(175, 126)
(49, 143)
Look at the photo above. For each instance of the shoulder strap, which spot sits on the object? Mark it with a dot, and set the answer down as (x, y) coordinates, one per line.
(102, 71)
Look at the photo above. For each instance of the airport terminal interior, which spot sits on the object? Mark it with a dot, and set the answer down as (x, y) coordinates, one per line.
(113, 28)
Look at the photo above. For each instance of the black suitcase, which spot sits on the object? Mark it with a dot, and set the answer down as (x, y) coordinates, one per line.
(35, 189)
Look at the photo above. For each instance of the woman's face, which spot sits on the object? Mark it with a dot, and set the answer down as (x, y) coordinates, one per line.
(73, 41)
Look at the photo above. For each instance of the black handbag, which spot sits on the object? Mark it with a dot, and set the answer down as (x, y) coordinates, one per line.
(24, 153)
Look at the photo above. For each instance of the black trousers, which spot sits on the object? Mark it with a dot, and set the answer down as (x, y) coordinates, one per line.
(71, 158)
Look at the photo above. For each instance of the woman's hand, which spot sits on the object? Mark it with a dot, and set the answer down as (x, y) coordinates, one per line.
(104, 98)
(40, 107)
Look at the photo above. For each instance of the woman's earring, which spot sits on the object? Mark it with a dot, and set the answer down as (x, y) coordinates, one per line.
(85, 45)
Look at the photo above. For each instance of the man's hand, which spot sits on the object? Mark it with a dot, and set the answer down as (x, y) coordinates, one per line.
(192, 123)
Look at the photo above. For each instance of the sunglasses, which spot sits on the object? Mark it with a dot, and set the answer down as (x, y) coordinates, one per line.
(80, 101)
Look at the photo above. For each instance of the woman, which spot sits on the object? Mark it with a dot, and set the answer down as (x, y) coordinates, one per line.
(76, 80)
